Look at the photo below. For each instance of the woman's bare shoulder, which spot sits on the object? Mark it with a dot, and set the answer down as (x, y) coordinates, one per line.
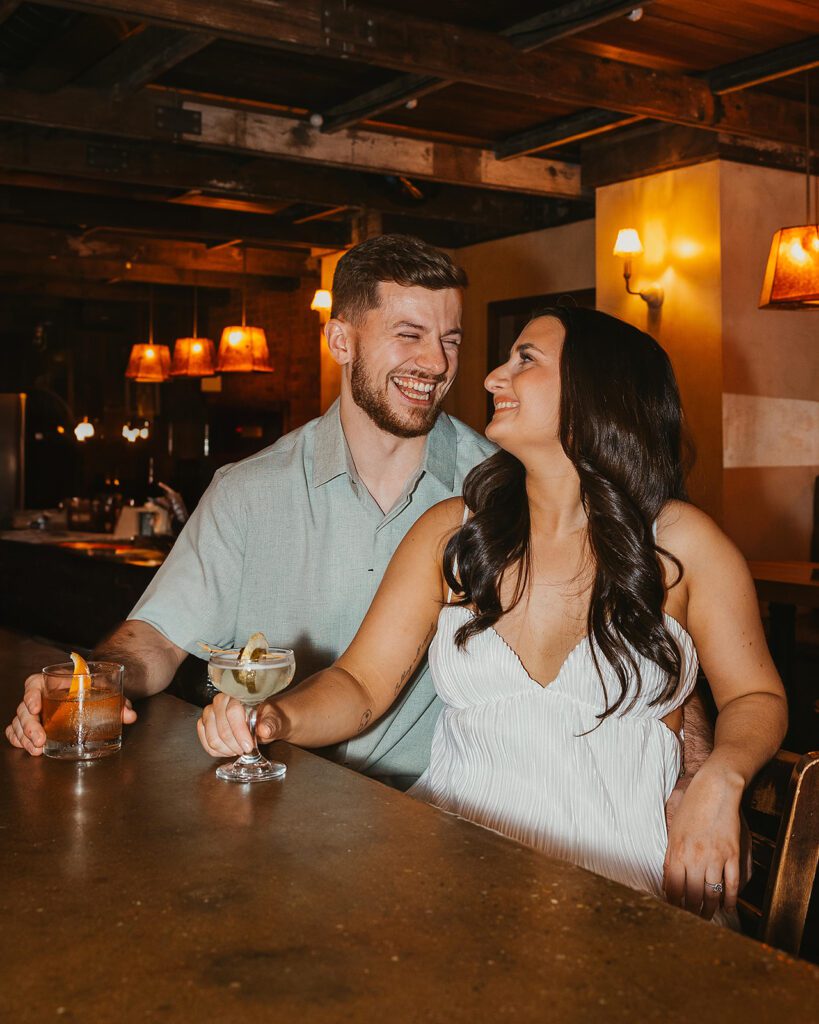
(691, 535)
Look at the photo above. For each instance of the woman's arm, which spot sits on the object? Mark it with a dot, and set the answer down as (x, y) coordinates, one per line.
(723, 620)
(344, 699)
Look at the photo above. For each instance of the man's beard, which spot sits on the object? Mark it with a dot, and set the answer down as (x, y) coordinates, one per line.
(414, 423)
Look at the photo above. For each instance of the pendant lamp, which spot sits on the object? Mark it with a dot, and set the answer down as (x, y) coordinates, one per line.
(243, 349)
(792, 273)
(149, 364)
(193, 357)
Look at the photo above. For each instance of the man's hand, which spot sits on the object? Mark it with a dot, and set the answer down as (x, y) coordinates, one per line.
(223, 730)
(26, 731)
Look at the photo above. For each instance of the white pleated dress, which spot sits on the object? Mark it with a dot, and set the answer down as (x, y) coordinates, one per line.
(533, 762)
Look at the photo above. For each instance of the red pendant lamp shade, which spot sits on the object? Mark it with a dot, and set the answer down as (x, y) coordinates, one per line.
(243, 350)
(193, 357)
(149, 364)
(792, 274)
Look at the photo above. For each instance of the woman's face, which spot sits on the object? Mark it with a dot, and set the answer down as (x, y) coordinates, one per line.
(526, 390)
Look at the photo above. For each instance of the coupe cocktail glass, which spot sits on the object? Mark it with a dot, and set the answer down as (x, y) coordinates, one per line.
(251, 682)
(82, 721)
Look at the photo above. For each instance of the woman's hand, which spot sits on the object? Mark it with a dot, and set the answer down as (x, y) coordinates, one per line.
(223, 729)
(704, 844)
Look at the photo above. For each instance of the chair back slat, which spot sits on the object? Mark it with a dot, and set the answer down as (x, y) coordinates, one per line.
(781, 807)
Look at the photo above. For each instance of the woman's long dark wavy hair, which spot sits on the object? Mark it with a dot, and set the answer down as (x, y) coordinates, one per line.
(621, 427)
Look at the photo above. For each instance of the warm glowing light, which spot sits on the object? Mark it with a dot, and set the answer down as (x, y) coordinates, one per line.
(193, 357)
(796, 251)
(243, 350)
(792, 273)
(322, 300)
(61, 429)
(149, 364)
(84, 430)
(628, 243)
(132, 434)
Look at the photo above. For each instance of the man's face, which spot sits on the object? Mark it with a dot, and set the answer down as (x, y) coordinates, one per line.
(406, 357)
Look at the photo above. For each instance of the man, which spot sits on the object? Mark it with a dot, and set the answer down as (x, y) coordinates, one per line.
(294, 540)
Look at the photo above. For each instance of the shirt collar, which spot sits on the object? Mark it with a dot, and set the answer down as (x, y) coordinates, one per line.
(331, 455)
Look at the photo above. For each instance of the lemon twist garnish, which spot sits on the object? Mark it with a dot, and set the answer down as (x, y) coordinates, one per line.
(81, 678)
(254, 650)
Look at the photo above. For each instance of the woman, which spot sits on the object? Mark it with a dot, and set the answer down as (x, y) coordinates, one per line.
(585, 587)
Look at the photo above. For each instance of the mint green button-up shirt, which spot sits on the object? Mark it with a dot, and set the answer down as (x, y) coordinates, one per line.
(290, 542)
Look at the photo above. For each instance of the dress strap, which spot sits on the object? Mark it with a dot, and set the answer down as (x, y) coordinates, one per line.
(455, 563)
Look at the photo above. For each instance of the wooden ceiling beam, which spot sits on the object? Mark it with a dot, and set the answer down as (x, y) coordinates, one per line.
(741, 74)
(160, 114)
(565, 20)
(120, 272)
(56, 287)
(101, 162)
(142, 58)
(194, 257)
(765, 67)
(167, 220)
(650, 148)
(421, 46)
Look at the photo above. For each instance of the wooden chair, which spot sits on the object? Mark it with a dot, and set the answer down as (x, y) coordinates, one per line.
(782, 809)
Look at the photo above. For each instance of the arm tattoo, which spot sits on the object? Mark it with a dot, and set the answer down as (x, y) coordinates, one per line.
(365, 720)
(409, 669)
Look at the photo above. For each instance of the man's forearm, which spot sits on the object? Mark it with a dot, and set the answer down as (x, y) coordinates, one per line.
(150, 659)
(698, 734)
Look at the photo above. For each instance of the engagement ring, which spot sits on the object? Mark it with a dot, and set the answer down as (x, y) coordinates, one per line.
(714, 886)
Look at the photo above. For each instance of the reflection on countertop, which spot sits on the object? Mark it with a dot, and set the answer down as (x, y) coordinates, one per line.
(144, 551)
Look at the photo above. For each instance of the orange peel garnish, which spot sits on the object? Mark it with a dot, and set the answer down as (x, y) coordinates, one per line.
(81, 679)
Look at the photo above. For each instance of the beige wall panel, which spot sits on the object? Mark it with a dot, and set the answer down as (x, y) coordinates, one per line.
(782, 499)
(760, 431)
(677, 215)
(537, 263)
(765, 352)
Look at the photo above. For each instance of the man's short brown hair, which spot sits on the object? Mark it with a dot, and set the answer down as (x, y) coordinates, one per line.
(402, 259)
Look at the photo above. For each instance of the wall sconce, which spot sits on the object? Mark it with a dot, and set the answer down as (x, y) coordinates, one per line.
(323, 303)
(627, 246)
(84, 429)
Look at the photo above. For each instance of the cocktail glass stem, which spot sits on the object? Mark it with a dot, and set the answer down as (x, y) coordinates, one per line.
(252, 756)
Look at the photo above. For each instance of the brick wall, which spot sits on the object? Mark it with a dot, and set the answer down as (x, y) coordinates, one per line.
(293, 334)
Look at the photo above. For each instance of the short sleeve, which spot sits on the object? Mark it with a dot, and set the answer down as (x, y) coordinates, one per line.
(195, 594)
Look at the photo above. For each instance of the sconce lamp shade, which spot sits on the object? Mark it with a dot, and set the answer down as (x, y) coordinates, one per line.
(243, 350)
(628, 243)
(322, 301)
(149, 364)
(792, 274)
(193, 357)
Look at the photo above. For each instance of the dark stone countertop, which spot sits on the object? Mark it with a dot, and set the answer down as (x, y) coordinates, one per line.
(142, 887)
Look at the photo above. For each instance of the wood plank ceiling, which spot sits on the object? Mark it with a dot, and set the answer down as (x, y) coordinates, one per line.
(149, 141)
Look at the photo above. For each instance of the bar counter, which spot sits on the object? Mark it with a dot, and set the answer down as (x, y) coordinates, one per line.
(141, 887)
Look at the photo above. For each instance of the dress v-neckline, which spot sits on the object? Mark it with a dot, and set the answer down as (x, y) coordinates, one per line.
(519, 661)
(582, 642)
